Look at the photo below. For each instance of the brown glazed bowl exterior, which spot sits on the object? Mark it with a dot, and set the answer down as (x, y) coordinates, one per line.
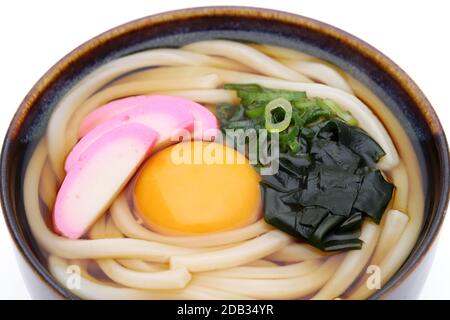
(175, 28)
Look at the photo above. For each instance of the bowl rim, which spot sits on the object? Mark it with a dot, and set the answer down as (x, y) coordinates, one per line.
(346, 38)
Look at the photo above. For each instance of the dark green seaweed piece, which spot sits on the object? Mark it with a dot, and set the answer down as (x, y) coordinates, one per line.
(352, 222)
(353, 138)
(312, 216)
(283, 181)
(327, 225)
(374, 195)
(331, 188)
(317, 225)
(299, 160)
(333, 154)
(354, 244)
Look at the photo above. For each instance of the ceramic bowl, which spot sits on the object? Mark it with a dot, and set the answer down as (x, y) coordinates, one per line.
(176, 28)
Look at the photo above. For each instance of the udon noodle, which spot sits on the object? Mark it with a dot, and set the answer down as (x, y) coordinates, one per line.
(122, 259)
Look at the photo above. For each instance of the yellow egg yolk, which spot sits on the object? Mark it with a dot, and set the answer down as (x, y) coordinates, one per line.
(196, 188)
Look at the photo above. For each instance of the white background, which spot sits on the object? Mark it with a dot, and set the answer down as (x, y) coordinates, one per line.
(36, 34)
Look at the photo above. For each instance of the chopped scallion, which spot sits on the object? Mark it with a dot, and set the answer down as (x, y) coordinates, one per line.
(279, 103)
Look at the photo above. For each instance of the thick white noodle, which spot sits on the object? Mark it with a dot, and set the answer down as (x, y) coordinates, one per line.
(89, 289)
(247, 56)
(282, 53)
(352, 265)
(319, 72)
(231, 257)
(399, 176)
(48, 186)
(125, 221)
(291, 288)
(268, 272)
(143, 266)
(211, 96)
(161, 279)
(296, 252)
(166, 279)
(261, 263)
(394, 225)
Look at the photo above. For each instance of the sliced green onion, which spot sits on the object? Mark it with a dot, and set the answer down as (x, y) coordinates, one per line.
(273, 105)
(304, 104)
(255, 112)
(294, 146)
(344, 115)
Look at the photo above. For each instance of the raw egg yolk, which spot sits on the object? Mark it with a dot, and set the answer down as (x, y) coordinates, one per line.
(196, 188)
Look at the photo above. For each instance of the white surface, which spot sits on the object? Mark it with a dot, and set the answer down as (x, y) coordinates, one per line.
(36, 34)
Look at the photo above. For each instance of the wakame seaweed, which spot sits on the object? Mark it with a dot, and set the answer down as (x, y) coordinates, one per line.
(327, 180)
